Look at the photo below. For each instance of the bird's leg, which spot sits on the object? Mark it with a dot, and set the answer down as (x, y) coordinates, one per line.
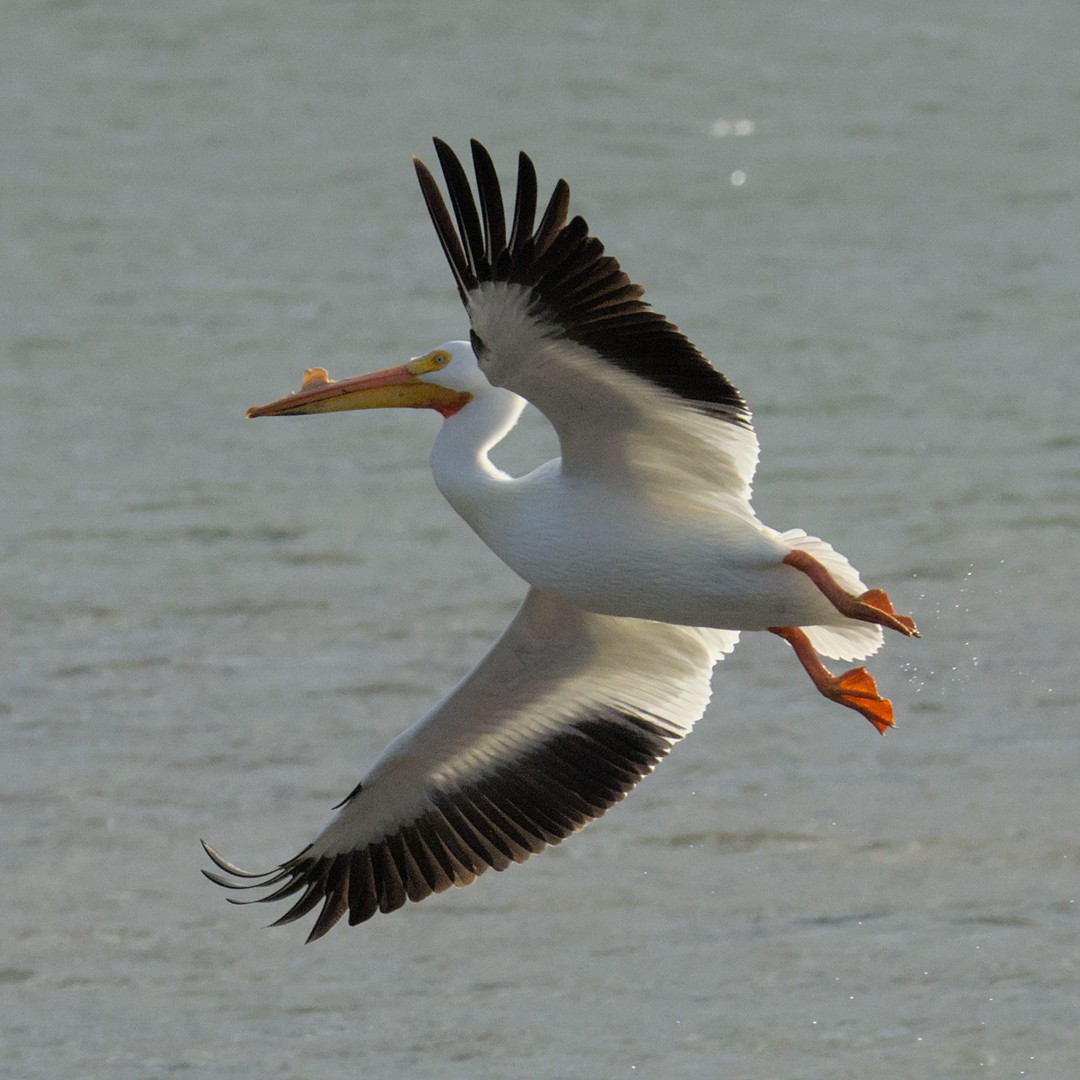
(872, 606)
(855, 688)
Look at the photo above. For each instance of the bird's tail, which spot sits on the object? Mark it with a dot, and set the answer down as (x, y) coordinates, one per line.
(847, 639)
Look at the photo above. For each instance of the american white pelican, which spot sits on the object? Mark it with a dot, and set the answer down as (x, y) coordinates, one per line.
(642, 552)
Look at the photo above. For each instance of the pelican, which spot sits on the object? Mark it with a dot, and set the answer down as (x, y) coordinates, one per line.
(643, 556)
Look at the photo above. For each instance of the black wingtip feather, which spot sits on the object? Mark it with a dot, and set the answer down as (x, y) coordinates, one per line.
(554, 261)
(444, 229)
(491, 203)
(524, 203)
(554, 219)
(502, 817)
(463, 204)
(334, 907)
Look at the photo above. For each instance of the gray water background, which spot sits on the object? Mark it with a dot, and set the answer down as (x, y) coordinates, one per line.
(865, 213)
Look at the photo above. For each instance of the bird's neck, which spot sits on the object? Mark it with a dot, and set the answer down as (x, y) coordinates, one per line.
(463, 472)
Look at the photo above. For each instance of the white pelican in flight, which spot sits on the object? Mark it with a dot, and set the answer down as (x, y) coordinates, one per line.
(642, 552)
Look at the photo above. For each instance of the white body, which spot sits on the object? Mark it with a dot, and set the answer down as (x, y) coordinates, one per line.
(637, 538)
(609, 554)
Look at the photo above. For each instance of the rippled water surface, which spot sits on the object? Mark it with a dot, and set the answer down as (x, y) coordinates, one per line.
(866, 213)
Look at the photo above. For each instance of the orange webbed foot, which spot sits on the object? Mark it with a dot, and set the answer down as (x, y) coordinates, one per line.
(879, 600)
(857, 690)
(873, 606)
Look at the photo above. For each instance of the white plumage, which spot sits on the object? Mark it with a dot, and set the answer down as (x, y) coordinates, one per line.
(643, 553)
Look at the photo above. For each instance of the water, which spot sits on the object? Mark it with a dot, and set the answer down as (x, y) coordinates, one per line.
(866, 214)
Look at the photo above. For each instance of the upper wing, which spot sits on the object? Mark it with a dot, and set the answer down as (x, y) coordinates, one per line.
(565, 714)
(557, 321)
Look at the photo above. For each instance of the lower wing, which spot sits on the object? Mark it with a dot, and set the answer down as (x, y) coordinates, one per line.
(565, 714)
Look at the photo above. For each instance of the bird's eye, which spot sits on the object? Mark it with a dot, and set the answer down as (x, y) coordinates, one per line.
(478, 346)
(439, 359)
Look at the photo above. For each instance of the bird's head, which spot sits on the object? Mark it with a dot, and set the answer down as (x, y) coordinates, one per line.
(445, 379)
